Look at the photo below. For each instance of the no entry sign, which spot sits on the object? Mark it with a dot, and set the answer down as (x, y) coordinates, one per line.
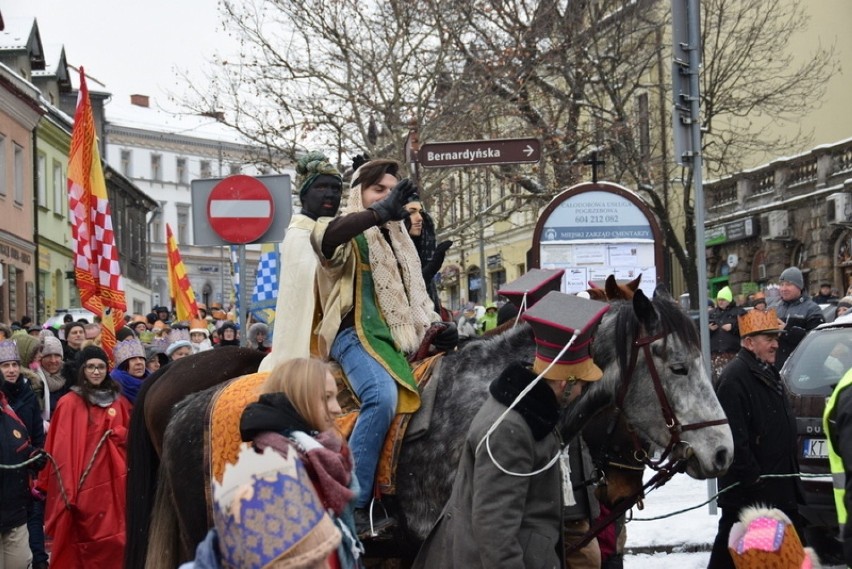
(240, 209)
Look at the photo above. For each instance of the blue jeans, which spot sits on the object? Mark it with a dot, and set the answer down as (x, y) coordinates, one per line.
(377, 391)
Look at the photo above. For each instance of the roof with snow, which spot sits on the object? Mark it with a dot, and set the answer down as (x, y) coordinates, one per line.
(158, 117)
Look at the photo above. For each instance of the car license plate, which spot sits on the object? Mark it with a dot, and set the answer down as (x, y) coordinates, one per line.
(814, 448)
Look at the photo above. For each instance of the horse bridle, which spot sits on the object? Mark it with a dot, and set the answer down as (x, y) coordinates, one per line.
(664, 470)
(673, 425)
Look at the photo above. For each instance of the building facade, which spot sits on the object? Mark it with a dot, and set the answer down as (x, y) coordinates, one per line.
(792, 212)
(162, 153)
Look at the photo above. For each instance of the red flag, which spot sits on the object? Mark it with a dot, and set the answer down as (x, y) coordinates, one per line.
(96, 265)
(180, 290)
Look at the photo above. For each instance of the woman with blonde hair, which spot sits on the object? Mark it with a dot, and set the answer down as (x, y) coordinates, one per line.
(296, 410)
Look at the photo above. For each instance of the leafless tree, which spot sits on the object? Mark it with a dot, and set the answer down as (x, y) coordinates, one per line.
(583, 76)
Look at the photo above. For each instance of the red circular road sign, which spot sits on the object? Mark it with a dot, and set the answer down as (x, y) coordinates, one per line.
(240, 209)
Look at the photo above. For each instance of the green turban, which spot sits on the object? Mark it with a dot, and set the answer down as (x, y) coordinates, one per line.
(311, 166)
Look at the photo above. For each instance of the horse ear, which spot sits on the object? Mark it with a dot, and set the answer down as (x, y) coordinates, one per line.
(611, 288)
(597, 294)
(644, 309)
(634, 284)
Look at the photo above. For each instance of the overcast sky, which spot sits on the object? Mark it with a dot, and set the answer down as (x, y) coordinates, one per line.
(131, 46)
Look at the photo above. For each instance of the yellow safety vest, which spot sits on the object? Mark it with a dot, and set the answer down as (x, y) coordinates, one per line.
(838, 471)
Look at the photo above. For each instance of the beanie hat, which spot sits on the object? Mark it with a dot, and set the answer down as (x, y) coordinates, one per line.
(267, 513)
(27, 348)
(793, 276)
(51, 346)
(725, 293)
(9, 352)
(310, 167)
(846, 302)
(124, 333)
(91, 353)
(178, 338)
(127, 349)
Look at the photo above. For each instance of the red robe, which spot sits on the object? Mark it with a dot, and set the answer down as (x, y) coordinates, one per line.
(91, 532)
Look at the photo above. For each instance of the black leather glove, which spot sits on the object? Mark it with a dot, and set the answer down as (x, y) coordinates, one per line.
(39, 463)
(432, 267)
(447, 339)
(392, 207)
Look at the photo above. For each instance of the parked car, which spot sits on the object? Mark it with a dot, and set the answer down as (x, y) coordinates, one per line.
(811, 373)
(76, 314)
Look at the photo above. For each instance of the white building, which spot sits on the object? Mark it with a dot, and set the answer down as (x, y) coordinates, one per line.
(162, 153)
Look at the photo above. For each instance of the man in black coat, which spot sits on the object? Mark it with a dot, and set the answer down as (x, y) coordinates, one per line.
(764, 429)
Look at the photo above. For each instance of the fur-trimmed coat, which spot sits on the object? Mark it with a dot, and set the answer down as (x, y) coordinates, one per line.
(493, 519)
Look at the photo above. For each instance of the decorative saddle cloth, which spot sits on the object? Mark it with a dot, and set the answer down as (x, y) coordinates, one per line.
(222, 437)
(386, 469)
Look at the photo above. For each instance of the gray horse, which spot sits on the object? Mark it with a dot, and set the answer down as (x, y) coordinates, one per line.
(636, 341)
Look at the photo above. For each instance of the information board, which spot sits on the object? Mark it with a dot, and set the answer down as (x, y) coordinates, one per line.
(594, 230)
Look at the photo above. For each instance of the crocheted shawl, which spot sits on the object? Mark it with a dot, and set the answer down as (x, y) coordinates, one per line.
(400, 291)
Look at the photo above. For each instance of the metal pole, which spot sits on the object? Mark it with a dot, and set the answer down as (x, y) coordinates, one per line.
(482, 273)
(694, 26)
(243, 302)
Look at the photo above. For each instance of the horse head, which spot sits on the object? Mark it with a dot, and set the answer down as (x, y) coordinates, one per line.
(655, 375)
(612, 291)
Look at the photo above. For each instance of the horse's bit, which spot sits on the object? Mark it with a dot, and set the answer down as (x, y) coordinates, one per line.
(674, 426)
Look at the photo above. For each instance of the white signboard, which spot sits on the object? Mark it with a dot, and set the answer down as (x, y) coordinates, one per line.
(595, 234)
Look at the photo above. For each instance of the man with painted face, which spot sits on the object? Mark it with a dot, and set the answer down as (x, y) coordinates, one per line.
(296, 312)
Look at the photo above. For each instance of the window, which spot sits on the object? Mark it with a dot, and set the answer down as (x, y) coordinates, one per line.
(182, 172)
(182, 224)
(156, 168)
(59, 185)
(234, 169)
(126, 163)
(19, 174)
(2, 165)
(42, 180)
(206, 172)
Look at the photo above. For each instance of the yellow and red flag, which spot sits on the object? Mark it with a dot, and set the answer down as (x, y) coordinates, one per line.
(96, 266)
(180, 290)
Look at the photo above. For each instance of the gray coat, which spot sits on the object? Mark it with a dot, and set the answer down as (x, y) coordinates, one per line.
(493, 519)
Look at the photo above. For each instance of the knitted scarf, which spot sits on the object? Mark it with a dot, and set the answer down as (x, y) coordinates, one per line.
(400, 291)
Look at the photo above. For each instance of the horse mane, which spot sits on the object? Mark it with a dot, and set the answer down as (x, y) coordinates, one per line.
(669, 319)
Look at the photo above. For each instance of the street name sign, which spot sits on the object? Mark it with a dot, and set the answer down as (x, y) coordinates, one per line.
(480, 152)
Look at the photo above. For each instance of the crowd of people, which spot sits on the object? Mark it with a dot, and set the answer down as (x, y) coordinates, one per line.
(65, 405)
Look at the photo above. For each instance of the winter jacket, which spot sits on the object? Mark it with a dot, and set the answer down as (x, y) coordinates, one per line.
(14, 483)
(764, 431)
(799, 316)
(493, 519)
(24, 402)
(722, 341)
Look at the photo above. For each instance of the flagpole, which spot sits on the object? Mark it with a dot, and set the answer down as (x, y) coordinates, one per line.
(243, 301)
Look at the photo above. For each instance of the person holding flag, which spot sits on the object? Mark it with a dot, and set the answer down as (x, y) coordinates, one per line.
(96, 267)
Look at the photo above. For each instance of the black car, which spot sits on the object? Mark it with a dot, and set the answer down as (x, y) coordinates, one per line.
(811, 373)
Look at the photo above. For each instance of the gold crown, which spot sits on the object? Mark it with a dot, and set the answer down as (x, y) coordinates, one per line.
(759, 322)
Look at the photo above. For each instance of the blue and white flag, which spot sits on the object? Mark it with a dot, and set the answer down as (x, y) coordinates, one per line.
(265, 294)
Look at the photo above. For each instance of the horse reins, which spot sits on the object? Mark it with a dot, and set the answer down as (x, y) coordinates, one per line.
(664, 470)
(674, 426)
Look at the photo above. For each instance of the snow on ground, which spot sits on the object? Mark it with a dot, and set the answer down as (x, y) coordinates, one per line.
(695, 529)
